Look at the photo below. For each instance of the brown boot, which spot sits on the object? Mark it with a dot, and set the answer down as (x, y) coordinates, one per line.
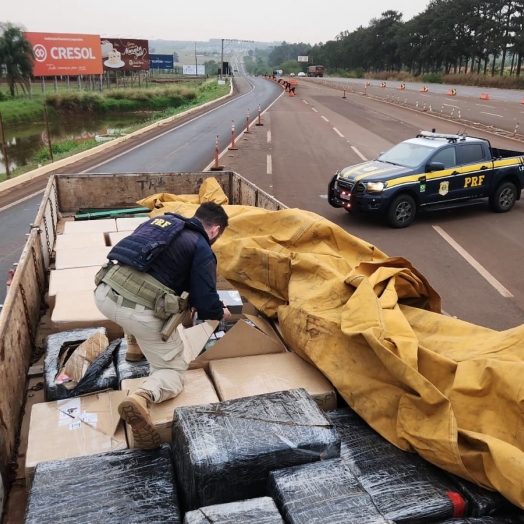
(133, 353)
(134, 410)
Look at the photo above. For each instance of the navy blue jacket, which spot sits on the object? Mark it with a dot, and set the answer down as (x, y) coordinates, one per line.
(189, 264)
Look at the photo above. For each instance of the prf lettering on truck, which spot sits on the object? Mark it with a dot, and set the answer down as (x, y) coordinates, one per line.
(432, 171)
(474, 181)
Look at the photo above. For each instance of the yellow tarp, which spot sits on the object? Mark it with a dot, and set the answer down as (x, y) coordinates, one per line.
(449, 390)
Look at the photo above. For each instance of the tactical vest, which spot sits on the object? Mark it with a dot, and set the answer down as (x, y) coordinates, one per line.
(140, 288)
(149, 240)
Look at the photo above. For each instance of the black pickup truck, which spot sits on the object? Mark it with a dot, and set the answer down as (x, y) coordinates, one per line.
(429, 172)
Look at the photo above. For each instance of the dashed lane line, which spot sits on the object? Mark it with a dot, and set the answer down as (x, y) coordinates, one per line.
(269, 165)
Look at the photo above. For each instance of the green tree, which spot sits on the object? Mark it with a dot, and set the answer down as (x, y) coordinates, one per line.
(16, 57)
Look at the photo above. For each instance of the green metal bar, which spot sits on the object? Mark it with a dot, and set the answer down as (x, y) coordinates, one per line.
(113, 213)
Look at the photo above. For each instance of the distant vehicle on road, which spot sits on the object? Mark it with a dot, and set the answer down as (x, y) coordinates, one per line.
(291, 74)
(301, 73)
(432, 171)
(315, 70)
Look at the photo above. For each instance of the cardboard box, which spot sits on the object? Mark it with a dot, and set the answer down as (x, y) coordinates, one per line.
(80, 240)
(129, 224)
(241, 340)
(247, 376)
(105, 225)
(72, 279)
(74, 428)
(77, 309)
(198, 389)
(81, 257)
(115, 238)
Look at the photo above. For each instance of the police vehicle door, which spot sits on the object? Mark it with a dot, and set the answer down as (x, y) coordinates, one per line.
(439, 184)
(477, 171)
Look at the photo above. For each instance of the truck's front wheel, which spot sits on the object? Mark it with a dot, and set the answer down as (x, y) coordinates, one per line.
(401, 211)
(504, 197)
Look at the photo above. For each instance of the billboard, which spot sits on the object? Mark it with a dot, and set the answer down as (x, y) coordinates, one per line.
(124, 54)
(65, 54)
(161, 61)
(303, 58)
(191, 70)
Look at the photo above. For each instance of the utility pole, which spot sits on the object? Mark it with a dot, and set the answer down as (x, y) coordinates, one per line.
(196, 62)
(222, 54)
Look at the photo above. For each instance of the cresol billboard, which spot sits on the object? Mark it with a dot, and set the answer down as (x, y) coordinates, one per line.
(124, 54)
(65, 54)
(161, 61)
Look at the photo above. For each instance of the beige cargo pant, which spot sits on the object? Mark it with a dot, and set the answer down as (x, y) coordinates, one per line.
(168, 367)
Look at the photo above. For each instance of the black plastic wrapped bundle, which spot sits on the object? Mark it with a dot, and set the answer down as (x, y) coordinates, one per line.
(129, 486)
(126, 370)
(253, 511)
(482, 502)
(403, 486)
(323, 492)
(100, 375)
(485, 520)
(224, 452)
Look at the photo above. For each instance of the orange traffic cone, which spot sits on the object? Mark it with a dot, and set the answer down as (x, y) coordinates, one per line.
(484, 96)
(424, 89)
(452, 92)
(292, 92)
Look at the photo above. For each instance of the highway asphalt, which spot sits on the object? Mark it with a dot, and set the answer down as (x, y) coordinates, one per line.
(304, 140)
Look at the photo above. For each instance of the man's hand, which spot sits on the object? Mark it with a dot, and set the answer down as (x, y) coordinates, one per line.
(227, 314)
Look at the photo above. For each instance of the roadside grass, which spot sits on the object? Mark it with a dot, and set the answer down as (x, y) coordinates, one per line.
(156, 97)
(468, 79)
(68, 147)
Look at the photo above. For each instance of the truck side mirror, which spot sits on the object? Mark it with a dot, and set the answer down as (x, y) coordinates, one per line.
(435, 166)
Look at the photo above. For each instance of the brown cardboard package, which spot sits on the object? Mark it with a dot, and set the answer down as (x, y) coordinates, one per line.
(73, 428)
(198, 389)
(69, 280)
(105, 225)
(114, 238)
(129, 223)
(77, 309)
(95, 239)
(83, 356)
(246, 376)
(81, 257)
(241, 340)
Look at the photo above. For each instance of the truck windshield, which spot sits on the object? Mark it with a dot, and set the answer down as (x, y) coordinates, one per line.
(406, 154)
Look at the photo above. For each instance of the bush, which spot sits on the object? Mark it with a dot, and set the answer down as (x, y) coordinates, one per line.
(432, 78)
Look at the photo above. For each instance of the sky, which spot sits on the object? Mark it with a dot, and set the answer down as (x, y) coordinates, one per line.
(292, 21)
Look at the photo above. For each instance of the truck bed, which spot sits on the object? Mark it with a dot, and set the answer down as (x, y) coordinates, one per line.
(23, 320)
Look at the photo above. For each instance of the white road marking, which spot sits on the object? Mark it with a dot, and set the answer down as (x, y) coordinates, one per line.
(483, 271)
(359, 153)
(451, 105)
(338, 132)
(269, 137)
(305, 102)
(314, 110)
(324, 118)
(491, 114)
(21, 200)
(269, 165)
(484, 105)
